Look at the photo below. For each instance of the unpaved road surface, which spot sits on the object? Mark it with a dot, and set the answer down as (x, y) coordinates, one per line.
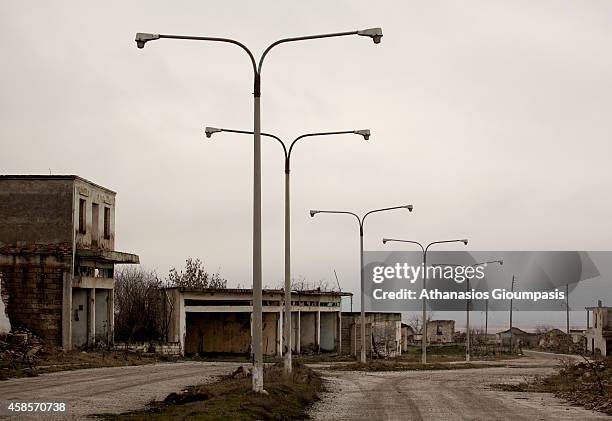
(444, 395)
(110, 390)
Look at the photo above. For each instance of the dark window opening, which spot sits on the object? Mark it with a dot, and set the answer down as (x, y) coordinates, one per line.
(106, 223)
(82, 215)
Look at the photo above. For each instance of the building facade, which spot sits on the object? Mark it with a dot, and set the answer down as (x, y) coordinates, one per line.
(599, 335)
(383, 334)
(440, 331)
(57, 257)
(218, 321)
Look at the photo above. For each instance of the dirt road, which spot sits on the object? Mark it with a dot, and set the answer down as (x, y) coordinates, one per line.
(444, 395)
(110, 390)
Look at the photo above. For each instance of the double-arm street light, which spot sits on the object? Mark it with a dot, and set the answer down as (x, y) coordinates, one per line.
(424, 249)
(288, 153)
(141, 39)
(361, 220)
(468, 302)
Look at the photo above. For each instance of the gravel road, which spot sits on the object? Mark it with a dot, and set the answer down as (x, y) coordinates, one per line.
(444, 395)
(110, 390)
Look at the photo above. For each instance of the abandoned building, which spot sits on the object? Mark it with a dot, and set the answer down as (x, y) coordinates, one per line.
(599, 336)
(57, 257)
(440, 331)
(383, 334)
(408, 336)
(209, 321)
(519, 337)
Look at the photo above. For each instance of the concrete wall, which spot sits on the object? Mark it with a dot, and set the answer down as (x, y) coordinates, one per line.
(308, 332)
(218, 333)
(270, 325)
(102, 322)
(79, 317)
(382, 329)
(35, 211)
(329, 322)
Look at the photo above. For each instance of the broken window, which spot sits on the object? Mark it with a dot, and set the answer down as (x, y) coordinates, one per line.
(106, 223)
(82, 215)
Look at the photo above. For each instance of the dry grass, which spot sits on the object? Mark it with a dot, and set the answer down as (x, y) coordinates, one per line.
(231, 398)
(588, 384)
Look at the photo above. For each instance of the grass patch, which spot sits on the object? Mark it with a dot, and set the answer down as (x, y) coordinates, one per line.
(588, 384)
(57, 360)
(288, 398)
(394, 365)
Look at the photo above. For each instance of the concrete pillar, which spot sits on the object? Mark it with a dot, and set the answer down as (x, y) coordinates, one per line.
(67, 311)
(318, 330)
(91, 316)
(339, 333)
(279, 334)
(298, 341)
(111, 317)
(251, 332)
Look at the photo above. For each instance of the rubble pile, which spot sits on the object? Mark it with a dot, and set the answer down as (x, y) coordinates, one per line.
(20, 346)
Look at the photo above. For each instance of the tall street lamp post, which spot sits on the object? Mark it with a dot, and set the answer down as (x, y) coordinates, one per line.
(287, 153)
(361, 220)
(141, 39)
(424, 250)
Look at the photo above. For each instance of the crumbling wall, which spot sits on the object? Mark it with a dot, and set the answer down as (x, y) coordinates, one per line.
(5, 323)
(31, 282)
(308, 331)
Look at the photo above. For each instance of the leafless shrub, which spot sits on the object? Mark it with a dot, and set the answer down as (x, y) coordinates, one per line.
(138, 304)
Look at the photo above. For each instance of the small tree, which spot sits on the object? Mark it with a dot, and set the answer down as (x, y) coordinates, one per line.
(194, 276)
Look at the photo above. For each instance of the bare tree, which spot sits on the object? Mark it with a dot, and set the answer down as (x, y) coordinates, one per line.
(302, 284)
(194, 276)
(415, 320)
(138, 304)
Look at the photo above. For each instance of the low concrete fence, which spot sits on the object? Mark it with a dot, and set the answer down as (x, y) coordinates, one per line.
(161, 348)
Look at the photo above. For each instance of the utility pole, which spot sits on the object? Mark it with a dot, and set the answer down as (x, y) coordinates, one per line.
(511, 300)
(567, 307)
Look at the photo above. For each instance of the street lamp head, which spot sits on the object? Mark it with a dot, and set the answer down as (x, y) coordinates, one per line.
(143, 38)
(501, 262)
(465, 241)
(385, 240)
(211, 130)
(365, 133)
(374, 33)
(409, 207)
(313, 213)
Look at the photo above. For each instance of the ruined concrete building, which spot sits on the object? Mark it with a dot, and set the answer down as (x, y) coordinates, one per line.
(440, 331)
(599, 336)
(383, 334)
(57, 257)
(210, 321)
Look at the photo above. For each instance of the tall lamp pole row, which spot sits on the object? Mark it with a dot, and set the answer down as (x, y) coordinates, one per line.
(141, 39)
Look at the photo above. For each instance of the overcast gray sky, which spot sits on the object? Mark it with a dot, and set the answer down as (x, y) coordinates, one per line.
(491, 117)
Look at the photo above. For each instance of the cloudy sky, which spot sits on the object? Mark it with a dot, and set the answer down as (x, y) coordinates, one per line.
(491, 117)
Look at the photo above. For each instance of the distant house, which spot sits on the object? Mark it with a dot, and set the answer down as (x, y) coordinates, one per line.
(440, 331)
(518, 337)
(599, 336)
